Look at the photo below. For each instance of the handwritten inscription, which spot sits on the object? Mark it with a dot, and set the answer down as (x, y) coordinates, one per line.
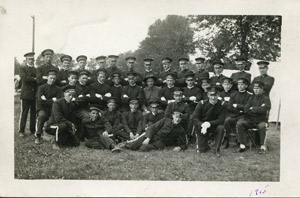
(259, 192)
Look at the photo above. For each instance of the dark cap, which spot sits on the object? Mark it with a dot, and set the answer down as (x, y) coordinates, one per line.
(133, 101)
(101, 70)
(178, 112)
(94, 107)
(52, 72)
(245, 80)
(113, 56)
(84, 72)
(166, 59)
(178, 92)
(130, 58)
(81, 57)
(200, 59)
(206, 79)
(219, 63)
(29, 54)
(47, 51)
(154, 103)
(239, 60)
(148, 59)
(115, 74)
(258, 84)
(189, 74)
(213, 89)
(262, 63)
(112, 100)
(72, 72)
(227, 79)
(131, 73)
(69, 89)
(150, 76)
(172, 74)
(66, 58)
(101, 58)
(183, 59)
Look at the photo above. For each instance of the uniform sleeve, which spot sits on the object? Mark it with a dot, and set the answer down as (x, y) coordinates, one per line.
(25, 77)
(169, 110)
(221, 116)
(263, 108)
(140, 127)
(44, 103)
(186, 115)
(154, 128)
(125, 123)
(56, 111)
(269, 84)
(39, 76)
(248, 105)
(230, 107)
(107, 125)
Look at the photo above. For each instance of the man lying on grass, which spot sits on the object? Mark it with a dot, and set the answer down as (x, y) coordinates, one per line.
(166, 132)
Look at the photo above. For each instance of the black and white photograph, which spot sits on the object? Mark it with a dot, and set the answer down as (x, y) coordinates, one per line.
(149, 98)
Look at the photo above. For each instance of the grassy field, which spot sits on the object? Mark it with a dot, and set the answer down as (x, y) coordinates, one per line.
(41, 162)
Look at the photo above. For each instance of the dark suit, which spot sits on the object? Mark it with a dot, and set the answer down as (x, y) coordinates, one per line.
(42, 71)
(267, 80)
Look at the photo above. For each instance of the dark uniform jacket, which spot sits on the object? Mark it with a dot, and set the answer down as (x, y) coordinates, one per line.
(102, 89)
(150, 119)
(133, 92)
(29, 84)
(206, 112)
(132, 122)
(49, 91)
(226, 95)
(200, 74)
(177, 106)
(150, 72)
(111, 70)
(188, 92)
(81, 92)
(237, 75)
(114, 117)
(267, 80)
(239, 98)
(180, 82)
(168, 93)
(151, 94)
(62, 111)
(42, 71)
(138, 76)
(117, 93)
(217, 80)
(95, 128)
(62, 75)
(162, 74)
(169, 133)
(261, 106)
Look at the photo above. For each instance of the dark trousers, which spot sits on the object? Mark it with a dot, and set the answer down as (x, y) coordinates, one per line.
(43, 116)
(99, 142)
(63, 134)
(27, 105)
(243, 125)
(229, 125)
(202, 139)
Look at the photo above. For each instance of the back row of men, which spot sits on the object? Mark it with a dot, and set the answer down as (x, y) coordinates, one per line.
(118, 94)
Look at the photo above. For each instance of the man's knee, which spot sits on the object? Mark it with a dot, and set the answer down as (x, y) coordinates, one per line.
(261, 126)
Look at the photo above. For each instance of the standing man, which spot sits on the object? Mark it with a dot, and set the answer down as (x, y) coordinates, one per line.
(264, 77)
(216, 80)
(201, 71)
(183, 64)
(47, 94)
(256, 115)
(130, 62)
(28, 92)
(62, 76)
(151, 91)
(81, 60)
(101, 62)
(148, 68)
(208, 117)
(167, 93)
(41, 72)
(241, 65)
(112, 60)
(166, 63)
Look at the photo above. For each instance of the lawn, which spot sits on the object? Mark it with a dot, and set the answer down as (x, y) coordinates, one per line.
(41, 162)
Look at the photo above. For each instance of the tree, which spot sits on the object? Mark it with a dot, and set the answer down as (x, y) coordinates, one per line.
(172, 37)
(225, 37)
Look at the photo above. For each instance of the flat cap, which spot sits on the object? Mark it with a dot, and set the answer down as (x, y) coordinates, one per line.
(47, 51)
(200, 59)
(66, 58)
(52, 72)
(263, 63)
(166, 59)
(213, 89)
(69, 89)
(130, 58)
(116, 74)
(101, 57)
(258, 84)
(72, 72)
(81, 57)
(150, 76)
(94, 107)
(113, 56)
(84, 72)
(148, 59)
(189, 74)
(29, 54)
(218, 63)
(133, 101)
(183, 59)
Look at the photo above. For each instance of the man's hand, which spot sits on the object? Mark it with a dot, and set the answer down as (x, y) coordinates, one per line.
(107, 95)
(177, 149)
(226, 99)
(54, 99)
(45, 77)
(131, 136)
(126, 79)
(251, 108)
(146, 141)
(73, 99)
(204, 130)
(88, 95)
(105, 134)
(205, 125)
(80, 96)
(73, 129)
(234, 105)
(43, 97)
(193, 98)
(169, 101)
(63, 81)
(125, 96)
(98, 96)
(163, 99)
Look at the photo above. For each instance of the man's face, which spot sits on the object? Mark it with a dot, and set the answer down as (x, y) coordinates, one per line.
(178, 97)
(101, 63)
(166, 65)
(130, 64)
(150, 82)
(241, 66)
(82, 64)
(51, 79)
(226, 86)
(48, 58)
(68, 96)
(204, 86)
(263, 70)
(66, 64)
(176, 118)
(113, 62)
(83, 79)
(183, 65)
(147, 65)
(111, 106)
(213, 97)
(94, 115)
(72, 79)
(200, 65)
(218, 70)
(131, 80)
(30, 61)
(134, 106)
(189, 81)
(242, 86)
(101, 77)
(257, 90)
(116, 80)
(154, 109)
(170, 81)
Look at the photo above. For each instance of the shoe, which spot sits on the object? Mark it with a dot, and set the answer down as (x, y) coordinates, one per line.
(225, 144)
(262, 151)
(55, 146)
(22, 134)
(37, 140)
(240, 150)
(116, 150)
(217, 153)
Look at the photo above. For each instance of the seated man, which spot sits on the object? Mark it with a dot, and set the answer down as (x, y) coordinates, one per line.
(132, 121)
(153, 116)
(166, 93)
(256, 115)
(116, 88)
(208, 117)
(151, 91)
(166, 132)
(235, 108)
(61, 121)
(46, 95)
(114, 117)
(98, 128)
(227, 89)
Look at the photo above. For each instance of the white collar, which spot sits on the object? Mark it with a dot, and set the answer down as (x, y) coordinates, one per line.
(190, 87)
(170, 87)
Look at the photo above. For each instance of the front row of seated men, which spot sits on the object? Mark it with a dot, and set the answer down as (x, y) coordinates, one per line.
(72, 119)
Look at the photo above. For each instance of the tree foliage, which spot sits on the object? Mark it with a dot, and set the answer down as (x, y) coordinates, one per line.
(225, 37)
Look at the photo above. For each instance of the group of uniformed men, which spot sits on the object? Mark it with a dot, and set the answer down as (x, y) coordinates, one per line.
(107, 108)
